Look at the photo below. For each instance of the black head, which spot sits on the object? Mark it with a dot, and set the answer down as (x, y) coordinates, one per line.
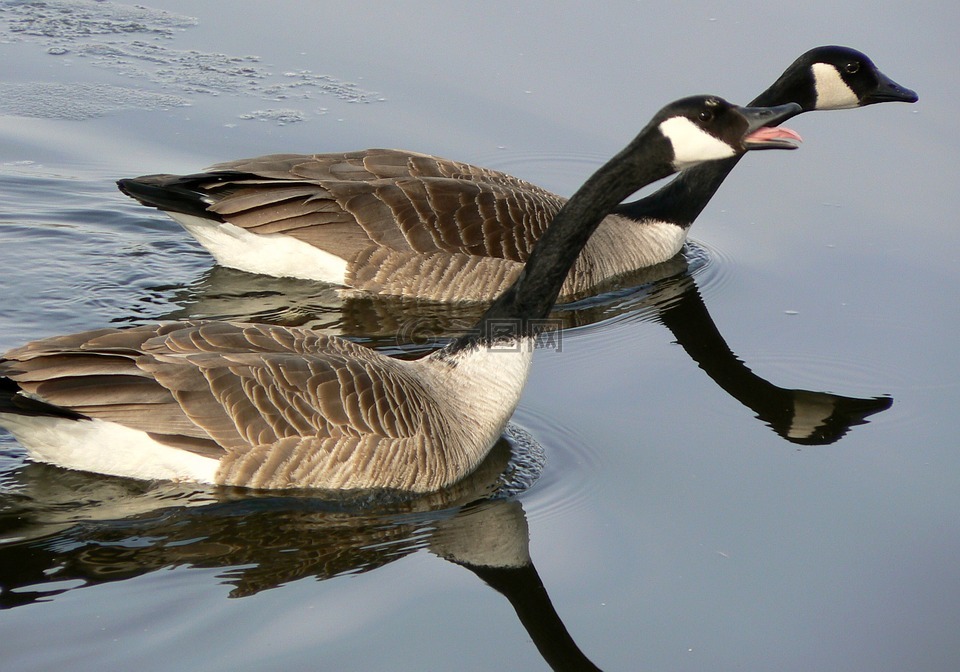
(705, 128)
(834, 78)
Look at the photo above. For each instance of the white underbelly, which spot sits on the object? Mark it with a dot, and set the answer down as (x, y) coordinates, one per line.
(274, 254)
(106, 448)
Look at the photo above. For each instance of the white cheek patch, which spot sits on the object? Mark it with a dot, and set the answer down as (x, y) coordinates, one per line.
(691, 144)
(832, 92)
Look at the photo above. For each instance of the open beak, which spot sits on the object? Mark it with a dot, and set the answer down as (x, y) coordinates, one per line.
(762, 130)
(888, 91)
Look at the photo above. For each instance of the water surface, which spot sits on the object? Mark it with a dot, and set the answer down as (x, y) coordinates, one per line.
(654, 507)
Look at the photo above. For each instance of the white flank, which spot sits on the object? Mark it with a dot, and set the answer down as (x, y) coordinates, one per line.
(832, 92)
(106, 448)
(691, 144)
(274, 254)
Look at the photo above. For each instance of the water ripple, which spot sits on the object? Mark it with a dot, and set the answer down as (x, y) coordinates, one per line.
(54, 222)
(712, 266)
(571, 469)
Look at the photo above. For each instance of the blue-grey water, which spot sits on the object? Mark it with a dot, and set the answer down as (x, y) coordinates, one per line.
(646, 511)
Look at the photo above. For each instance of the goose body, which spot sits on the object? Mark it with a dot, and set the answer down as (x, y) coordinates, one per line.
(263, 406)
(276, 407)
(395, 222)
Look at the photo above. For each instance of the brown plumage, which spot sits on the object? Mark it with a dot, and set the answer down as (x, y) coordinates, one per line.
(280, 407)
(400, 223)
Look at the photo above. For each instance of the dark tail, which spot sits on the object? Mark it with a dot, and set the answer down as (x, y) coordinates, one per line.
(14, 403)
(172, 193)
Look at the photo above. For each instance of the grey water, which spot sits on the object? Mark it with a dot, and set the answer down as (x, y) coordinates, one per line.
(654, 505)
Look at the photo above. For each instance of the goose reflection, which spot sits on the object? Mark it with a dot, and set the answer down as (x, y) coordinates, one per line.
(800, 416)
(63, 531)
(666, 293)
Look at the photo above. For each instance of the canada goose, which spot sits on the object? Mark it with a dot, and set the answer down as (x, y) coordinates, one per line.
(824, 78)
(273, 407)
(401, 223)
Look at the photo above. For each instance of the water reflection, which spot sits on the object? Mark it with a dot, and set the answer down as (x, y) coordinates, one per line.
(799, 416)
(62, 531)
(667, 293)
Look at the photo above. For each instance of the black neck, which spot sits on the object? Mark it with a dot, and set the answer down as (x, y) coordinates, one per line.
(523, 587)
(690, 322)
(520, 311)
(682, 201)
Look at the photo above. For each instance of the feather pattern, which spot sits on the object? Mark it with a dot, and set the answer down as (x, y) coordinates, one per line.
(417, 212)
(279, 407)
(441, 230)
(432, 205)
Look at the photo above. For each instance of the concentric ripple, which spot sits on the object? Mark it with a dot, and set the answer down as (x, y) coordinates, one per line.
(570, 468)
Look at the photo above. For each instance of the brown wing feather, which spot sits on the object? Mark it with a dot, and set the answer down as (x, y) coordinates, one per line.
(437, 276)
(235, 385)
(96, 373)
(400, 200)
(337, 463)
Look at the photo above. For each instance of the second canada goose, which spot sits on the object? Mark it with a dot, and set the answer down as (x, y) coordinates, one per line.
(272, 407)
(400, 223)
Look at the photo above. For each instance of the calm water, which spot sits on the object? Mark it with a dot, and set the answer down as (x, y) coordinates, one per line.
(646, 511)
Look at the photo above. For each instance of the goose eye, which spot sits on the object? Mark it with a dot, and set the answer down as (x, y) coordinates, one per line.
(852, 67)
(706, 115)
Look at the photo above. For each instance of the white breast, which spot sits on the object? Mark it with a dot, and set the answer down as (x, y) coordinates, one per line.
(481, 387)
(620, 246)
